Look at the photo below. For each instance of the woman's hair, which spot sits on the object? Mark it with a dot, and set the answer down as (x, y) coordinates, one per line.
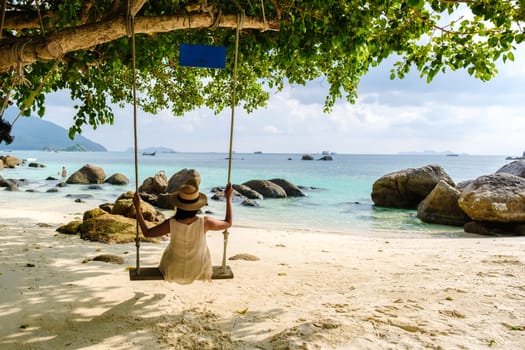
(182, 214)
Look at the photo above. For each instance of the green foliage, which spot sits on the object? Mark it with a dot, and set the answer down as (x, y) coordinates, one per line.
(338, 40)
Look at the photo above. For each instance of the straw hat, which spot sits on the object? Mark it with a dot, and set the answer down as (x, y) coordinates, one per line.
(189, 198)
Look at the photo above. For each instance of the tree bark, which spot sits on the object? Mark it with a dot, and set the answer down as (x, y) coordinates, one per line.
(29, 50)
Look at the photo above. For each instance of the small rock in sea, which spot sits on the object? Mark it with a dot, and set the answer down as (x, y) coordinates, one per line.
(52, 190)
(30, 265)
(79, 200)
(250, 203)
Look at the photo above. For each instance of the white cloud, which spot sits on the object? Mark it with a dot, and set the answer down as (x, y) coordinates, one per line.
(455, 112)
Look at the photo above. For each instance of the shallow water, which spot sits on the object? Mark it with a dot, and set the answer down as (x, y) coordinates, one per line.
(339, 201)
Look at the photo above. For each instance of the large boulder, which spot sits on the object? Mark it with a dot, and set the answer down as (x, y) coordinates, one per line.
(267, 188)
(155, 184)
(182, 177)
(108, 228)
(88, 174)
(441, 207)
(516, 168)
(10, 161)
(495, 198)
(407, 188)
(247, 192)
(290, 189)
(117, 179)
(307, 157)
(126, 208)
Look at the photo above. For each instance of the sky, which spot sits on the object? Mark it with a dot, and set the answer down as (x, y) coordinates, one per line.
(454, 113)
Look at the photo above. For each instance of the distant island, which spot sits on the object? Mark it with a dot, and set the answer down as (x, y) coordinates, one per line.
(517, 158)
(36, 134)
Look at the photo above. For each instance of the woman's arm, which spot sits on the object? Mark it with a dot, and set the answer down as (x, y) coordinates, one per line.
(156, 231)
(212, 224)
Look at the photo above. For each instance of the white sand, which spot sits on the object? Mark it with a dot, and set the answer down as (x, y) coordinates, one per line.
(309, 290)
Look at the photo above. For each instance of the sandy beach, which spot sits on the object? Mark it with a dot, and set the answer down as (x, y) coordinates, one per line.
(309, 290)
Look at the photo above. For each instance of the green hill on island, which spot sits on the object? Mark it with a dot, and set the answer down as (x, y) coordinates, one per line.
(33, 133)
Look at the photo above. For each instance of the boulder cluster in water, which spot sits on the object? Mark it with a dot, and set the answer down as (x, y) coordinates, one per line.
(158, 190)
(115, 222)
(490, 204)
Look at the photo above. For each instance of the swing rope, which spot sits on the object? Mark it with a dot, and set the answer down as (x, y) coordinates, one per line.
(131, 32)
(240, 21)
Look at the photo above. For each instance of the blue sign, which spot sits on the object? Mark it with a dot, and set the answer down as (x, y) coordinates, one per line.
(203, 56)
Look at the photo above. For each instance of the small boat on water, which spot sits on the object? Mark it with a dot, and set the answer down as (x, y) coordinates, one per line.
(149, 153)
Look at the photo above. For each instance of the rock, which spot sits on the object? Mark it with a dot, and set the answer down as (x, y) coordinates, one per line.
(10, 161)
(184, 176)
(36, 165)
(9, 184)
(290, 189)
(107, 207)
(93, 213)
(88, 174)
(80, 196)
(495, 198)
(244, 256)
(156, 184)
(247, 192)
(307, 157)
(495, 228)
(94, 187)
(117, 179)
(70, 228)
(516, 168)
(407, 188)
(108, 228)
(164, 201)
(441, 206)
(462, 185)
(326, 158)
(52, 190)
(266, 188)
(126, 208)
(110, 259)
(250, 203)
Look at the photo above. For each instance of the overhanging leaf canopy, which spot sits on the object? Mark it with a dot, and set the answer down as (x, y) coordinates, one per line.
(281, 40)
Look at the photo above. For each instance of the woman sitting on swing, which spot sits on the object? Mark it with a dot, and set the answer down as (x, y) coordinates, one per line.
(187, 258)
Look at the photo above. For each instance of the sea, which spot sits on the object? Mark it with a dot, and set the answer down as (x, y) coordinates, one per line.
(337, 192)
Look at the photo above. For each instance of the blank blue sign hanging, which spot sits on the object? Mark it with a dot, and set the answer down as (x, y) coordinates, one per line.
(203, 56)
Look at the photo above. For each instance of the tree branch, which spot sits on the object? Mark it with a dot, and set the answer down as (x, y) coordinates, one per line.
(135, 7)
(29, 50)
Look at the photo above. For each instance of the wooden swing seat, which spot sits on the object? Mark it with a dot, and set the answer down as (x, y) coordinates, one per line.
(153, 273)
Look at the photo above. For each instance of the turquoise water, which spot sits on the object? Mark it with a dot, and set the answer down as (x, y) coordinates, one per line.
(340, 201)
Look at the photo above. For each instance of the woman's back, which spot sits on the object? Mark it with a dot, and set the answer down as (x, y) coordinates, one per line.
(186, 258)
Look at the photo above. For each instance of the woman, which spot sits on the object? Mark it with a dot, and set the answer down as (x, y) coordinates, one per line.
(187, 258)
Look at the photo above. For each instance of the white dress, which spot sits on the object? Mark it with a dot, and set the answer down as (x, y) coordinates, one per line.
(186, 258)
